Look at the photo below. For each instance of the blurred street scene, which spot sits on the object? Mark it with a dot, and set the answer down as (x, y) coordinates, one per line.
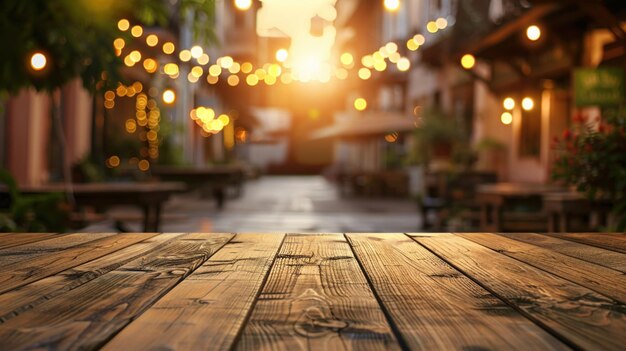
(316, 115)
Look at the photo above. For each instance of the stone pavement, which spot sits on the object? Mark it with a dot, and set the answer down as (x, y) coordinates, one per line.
(284, 204)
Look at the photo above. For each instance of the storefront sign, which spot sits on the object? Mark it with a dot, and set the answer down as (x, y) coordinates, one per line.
(599, 86)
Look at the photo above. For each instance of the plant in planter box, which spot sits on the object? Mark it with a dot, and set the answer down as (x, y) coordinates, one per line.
(592, 158)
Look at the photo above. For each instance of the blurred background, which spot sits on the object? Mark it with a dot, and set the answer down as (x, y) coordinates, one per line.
(312, 115)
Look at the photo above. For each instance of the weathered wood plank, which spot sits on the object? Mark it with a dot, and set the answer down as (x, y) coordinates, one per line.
(316, 298)
(576, 314)
(613, 242)
(26, 297)
(435, 307)
(603, 280)
(32, 251)
(15, 239)
(46, 262)
(207, 310)
(87, 316)
(593, 254)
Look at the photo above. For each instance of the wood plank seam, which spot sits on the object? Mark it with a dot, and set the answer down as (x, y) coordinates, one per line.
(584, 252)
(163, 293)
(394, 328)
(614, 297)
(528, 316)
(86, 277)
(585, 242)
(256, 296)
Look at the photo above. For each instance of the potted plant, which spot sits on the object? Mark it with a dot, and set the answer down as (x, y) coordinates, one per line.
(437, 135)
(592, 159)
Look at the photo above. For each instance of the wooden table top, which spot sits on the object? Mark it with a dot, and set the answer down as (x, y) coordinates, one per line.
(313, 291)
(206, 170)
(108, 187)
(517, 189)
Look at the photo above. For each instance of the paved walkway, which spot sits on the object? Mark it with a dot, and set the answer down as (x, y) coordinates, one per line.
(288, 204)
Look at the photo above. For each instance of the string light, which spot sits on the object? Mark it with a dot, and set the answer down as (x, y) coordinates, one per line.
(38, 61)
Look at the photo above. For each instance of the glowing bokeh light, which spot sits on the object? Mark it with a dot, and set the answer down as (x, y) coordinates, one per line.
(38, 61)
(168, 48)
(282, 55)
(392, 5)
(196, 51)
(468, 61)
(528, 104)
(169, 96)
(533, 33)
(508, 103)
(360, 104)
(123, 24)
(506, 118)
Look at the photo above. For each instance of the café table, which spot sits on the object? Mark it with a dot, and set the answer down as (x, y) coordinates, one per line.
(225, 291)
(495, 198)
(149, 196)
(562, 206)
(217, 177)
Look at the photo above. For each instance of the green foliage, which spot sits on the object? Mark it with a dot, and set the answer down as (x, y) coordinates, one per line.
(75, 35)
(202, 16)
(33, 213)
(594, 161)
(436, 129)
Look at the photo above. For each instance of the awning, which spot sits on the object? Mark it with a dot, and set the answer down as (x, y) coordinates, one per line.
(372, 124)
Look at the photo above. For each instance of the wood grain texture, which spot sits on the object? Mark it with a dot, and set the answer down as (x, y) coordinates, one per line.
(613, 242)
(47, 261)
(593, 254)
(32, 251)
(316, 298)
(87, 316)
(606, 281)
(577, 314)
(207, 310)
(435, 307)
(15, 239)
(26, 297)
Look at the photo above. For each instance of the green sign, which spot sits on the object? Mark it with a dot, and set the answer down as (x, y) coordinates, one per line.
(602, 86)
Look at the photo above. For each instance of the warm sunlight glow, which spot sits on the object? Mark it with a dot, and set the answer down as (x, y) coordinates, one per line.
(468, 61)
(360, 104)
(309, 27)
(528, 104)
(282, 55)
(243, 4)
(506, 118)
(38, 61)
(392, 5)
(533, 33)
(508, 103)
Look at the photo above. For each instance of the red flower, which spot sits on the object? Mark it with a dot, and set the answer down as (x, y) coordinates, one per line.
(567, 134)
